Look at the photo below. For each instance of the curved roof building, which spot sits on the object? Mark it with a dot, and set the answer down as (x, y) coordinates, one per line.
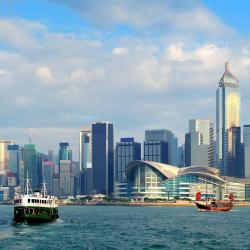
(158, 180)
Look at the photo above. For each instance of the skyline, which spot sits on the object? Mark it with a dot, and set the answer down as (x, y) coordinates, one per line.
(59, 72)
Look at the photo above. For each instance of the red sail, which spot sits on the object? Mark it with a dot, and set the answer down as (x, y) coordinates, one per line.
(198, 196)
(231, 196)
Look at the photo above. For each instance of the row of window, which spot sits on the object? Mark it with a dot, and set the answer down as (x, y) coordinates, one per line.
(39, 201)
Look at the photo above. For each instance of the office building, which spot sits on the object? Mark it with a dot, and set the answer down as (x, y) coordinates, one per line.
(156, 151)
(227, 116)
(30, 164)
(65, 151)
(126, 150)
(85, 161)
(47, 170)
(246, 141)
(103, 158)
(165, 136)
(65, 178)
(199, 143)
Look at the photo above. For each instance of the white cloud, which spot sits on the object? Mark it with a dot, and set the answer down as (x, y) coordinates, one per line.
(119, 51)
(44, 73)
(22, 101)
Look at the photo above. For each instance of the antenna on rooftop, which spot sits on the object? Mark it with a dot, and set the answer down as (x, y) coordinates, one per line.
(29, 138)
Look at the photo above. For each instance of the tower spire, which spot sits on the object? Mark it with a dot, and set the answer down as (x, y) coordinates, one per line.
(227, 66)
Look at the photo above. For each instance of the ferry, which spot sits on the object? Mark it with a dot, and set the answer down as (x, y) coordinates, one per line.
(33, 207)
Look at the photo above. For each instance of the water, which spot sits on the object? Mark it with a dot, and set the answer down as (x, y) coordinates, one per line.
(82, 227)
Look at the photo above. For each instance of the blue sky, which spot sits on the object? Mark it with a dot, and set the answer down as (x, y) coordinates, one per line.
(140, 64)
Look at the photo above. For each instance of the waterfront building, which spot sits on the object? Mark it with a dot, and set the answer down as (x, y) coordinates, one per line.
(157, 180)
(47, 170)
(85, 159)
(4, 158)
(65, 178)
(235, 153)
(165, 136)
(199, 143)
(30, 164)
(156, 151)
(56, 185)
(246, 141)
(126, 150)
(227, 116)
(103, 157)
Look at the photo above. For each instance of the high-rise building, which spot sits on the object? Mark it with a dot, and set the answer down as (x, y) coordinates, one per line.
(156, 151)
(30, 164)
(65, 151)
(48, 169)
(165, 136)
(199, 143)
(15, 157)
(246, 141)
(4, 156)
(181, 156)
(127, 150)
(65, 178)
(85, 159)
(227, 116)
(103, 157)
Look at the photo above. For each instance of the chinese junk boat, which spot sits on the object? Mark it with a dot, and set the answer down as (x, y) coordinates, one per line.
(213, 205)
(35, 207)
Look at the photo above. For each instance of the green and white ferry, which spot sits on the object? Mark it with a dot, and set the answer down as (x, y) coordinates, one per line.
(33, 207)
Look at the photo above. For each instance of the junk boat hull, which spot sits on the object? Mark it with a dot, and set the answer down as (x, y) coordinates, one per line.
(215, 207)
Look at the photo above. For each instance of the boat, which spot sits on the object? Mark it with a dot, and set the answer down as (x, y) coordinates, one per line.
(214, 205)
(35, 207)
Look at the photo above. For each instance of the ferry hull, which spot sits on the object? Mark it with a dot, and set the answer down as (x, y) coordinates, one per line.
(35, 214)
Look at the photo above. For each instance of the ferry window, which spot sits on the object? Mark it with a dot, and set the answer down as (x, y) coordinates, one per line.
(32, 200)
(28, 200)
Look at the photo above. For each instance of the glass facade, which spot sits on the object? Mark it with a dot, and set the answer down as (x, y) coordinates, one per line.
(147, 182)
(127, 150)
(103, 158)
(65, 152)
(165, 136)
(30, 164)
(156, 151)
(227, 116)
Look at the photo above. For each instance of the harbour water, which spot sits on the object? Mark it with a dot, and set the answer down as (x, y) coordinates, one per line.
(86, 227)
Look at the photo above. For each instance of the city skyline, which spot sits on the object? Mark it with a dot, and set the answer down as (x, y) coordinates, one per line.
(59, 72)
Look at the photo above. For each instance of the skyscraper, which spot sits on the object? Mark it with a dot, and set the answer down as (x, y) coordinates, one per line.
(14, 159)
(227, 116)
(103, 157)
(199, 143)
(30, 164)
(85, 158)
(4, 156)
(156, 151)
(48, 169)
(127, 150)
(246, 141)
(165, 135)
(65, 151)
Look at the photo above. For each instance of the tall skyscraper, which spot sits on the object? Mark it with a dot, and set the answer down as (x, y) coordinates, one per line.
(199, 143)
(65, 178)
(85, 158)
(14, 160)
(48, 169)
(165, 135)
(4, 156)
(156, 151)
(246, 141)
(227, 116)
(103, 157)
(65, 151)
(127, 150)
(30, 164)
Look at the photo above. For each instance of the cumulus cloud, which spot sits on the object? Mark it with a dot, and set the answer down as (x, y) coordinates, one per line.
(137, 82)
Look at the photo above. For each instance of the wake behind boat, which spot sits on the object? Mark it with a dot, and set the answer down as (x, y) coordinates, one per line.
(35, 207)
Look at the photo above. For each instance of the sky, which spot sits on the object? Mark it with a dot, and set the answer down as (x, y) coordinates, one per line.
(145, 64)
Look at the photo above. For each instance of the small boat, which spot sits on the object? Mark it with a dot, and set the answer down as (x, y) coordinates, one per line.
(35, 207)
(215, 206)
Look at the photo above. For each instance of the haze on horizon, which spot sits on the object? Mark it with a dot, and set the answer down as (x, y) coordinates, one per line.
(139, 64)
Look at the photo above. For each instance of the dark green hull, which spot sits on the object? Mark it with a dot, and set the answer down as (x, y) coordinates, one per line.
(35, 214)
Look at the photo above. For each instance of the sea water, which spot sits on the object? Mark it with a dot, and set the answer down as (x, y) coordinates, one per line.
(114, 227)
